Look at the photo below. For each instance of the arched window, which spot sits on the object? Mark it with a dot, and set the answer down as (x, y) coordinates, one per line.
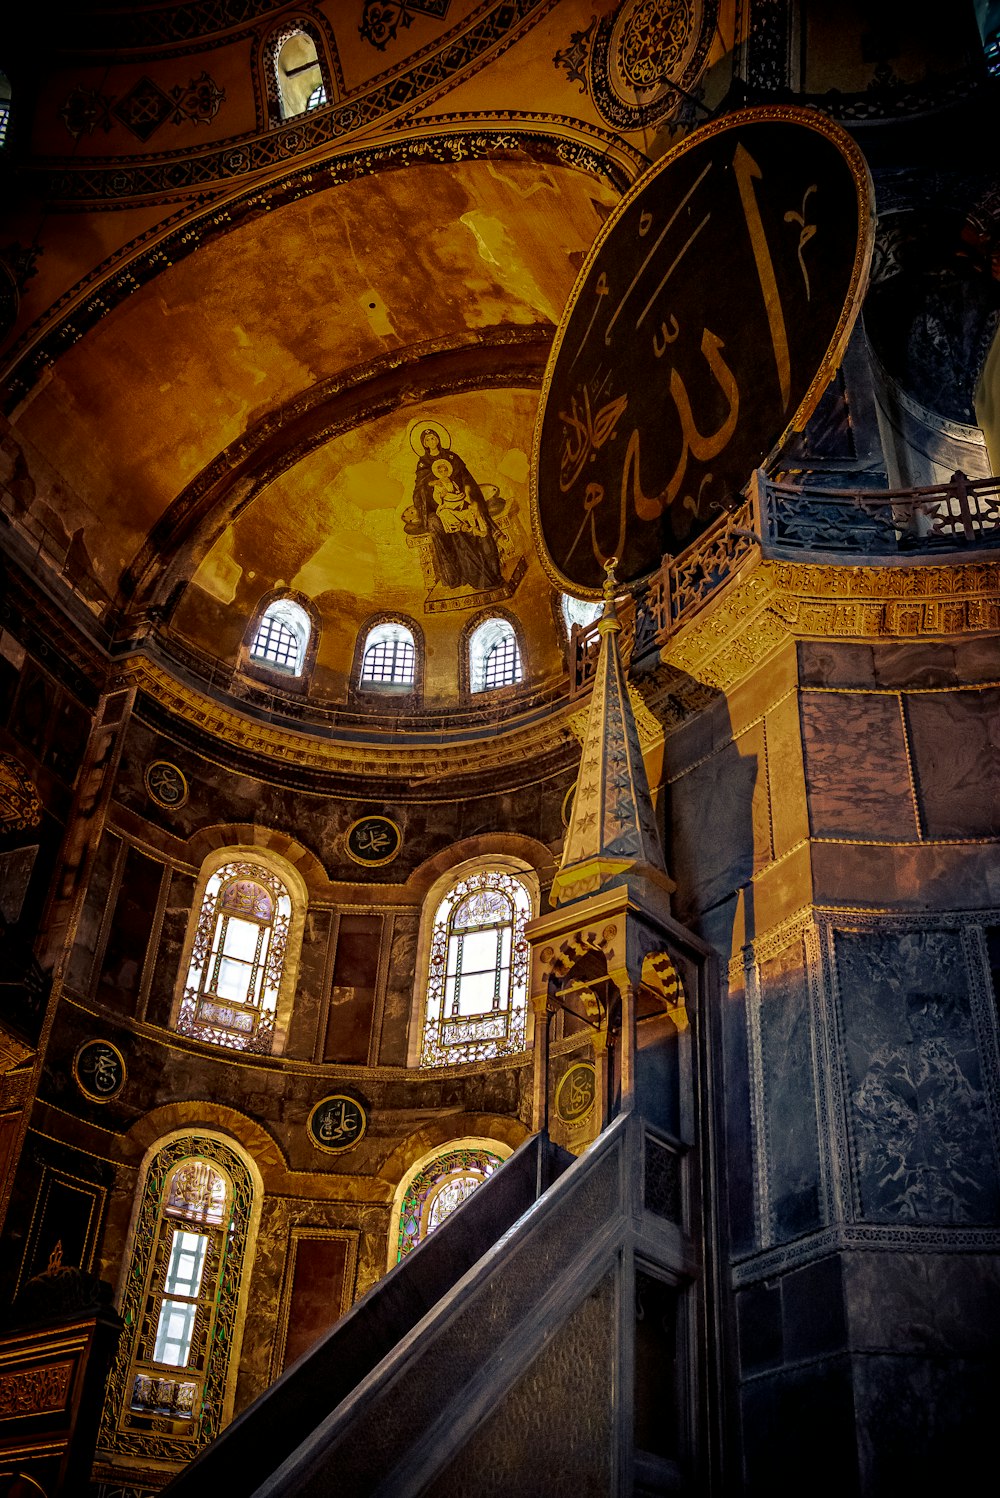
(579, 611)
(282, 637)
(432, 1189)
(170, 1389)
(494, 656)
(390, 658)
(4, 108)
(234, 977)
(298, 73)
(477, 985)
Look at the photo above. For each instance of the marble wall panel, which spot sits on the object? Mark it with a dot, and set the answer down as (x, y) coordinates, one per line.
(125, 950)
(399, 991)
(88, 929)
(856, 766)
(711, 828)
(955, 741)
(279, 1215)
(167, 961)
(738, 1136)
(918, 1116)
(925, 1425)
(789, 1095)
(798, 1432)
(353, 992)
(308, 998)
(786, 776)
(930, 1304)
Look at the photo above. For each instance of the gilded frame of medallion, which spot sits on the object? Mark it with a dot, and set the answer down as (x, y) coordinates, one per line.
(93, 1097)
(865, 193)
(341, 1149)
(374, 863)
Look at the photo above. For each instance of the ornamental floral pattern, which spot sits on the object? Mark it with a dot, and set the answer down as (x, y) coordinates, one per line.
(477, 986)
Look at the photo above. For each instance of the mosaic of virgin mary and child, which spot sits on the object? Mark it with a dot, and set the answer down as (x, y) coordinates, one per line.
(450, 508)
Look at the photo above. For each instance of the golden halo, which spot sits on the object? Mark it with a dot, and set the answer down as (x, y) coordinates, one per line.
(416, 427)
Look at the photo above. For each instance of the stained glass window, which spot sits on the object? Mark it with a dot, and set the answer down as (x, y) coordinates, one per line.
(390, 657)
(167, 1388)
(478, 980)
(494, 656)
(231, 994)
(437, 1189)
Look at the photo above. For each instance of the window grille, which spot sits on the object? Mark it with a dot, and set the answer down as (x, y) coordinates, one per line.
(494, 656)
(478, 978)
(275, 642)
(390, 661)
(502, 667)
(282, 637)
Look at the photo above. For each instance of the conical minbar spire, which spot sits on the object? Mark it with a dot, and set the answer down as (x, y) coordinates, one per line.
(612, 831)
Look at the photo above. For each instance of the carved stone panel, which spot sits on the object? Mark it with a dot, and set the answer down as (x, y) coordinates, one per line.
(923, 1150)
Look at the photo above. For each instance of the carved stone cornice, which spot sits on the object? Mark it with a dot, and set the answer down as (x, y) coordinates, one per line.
(768, 603)
(523, 754)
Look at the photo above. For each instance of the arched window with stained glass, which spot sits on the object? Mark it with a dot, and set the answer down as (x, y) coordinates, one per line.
(171, 1386)
(477, 986)
(237, 958)
(437, 1187)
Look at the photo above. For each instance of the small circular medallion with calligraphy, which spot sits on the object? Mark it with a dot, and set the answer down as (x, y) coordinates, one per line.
(576, 1093)
(337, 1124)
(99, 1070)
(165, 783)
(373, 840)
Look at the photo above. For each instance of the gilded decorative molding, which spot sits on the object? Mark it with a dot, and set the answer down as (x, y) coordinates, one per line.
(286, 747)
(771, 602)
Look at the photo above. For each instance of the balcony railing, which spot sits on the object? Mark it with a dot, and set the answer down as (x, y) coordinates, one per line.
(910, 523)
(794, 522)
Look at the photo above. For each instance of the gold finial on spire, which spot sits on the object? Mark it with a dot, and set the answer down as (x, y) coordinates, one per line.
(609, 618)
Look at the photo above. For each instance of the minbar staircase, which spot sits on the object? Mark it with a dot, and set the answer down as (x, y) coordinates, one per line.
(530, 1346)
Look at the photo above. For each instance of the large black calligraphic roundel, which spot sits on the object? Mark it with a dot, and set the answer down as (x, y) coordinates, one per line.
(710, 315)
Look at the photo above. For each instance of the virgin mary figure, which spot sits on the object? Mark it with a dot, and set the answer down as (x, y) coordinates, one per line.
(452, 511)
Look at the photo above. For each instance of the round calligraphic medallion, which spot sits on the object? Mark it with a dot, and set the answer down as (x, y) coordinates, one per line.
(708, 318)
(337, 1123)
(576, 1093)
(99, 1070)
(165, 783)
(373, 840)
